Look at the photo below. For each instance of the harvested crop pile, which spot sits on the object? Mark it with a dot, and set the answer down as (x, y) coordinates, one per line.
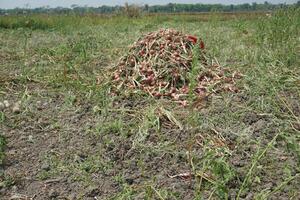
(162, 63)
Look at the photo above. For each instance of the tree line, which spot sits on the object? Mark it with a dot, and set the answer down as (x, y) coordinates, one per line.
(168, 8)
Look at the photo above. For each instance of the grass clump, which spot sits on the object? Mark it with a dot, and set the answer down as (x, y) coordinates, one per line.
(2, 148)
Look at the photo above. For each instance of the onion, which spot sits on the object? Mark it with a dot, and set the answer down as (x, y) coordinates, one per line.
(157, 94)
(149, 71)
(175, 96)
(116, 76)
(164, 83)
(152, 51)
(183, 103)
(228, 80)
(185, 89)
(173, 90)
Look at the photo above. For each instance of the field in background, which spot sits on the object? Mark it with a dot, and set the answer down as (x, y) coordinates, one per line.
(48, 21)
(70, 139)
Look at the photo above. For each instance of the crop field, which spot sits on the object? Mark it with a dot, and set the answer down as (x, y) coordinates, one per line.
(71, 128)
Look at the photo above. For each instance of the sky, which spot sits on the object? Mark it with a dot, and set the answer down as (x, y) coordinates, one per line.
(67, 3)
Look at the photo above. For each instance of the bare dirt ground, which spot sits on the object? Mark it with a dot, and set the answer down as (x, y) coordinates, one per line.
(51, 153)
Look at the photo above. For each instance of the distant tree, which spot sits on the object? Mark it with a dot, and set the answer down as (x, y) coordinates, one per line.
(146, 7)
(132, 10)
(135, 11)
(254, 6)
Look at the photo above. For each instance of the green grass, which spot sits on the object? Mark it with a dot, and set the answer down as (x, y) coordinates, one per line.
(2, 147)
(234, 146)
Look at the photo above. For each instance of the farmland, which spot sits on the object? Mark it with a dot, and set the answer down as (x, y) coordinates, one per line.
(64, 135)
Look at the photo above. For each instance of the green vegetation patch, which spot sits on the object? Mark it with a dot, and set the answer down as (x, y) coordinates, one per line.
(2, 147)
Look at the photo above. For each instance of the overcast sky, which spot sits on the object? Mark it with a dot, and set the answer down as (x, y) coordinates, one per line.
(96, 3)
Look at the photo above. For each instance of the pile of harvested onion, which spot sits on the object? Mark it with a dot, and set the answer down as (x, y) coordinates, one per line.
(160, 62)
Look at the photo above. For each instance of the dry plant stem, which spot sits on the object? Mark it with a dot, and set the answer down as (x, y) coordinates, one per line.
(157, 193)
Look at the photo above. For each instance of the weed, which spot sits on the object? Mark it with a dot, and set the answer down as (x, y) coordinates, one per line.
(2, 148)
(254, 163)
(2, 117)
